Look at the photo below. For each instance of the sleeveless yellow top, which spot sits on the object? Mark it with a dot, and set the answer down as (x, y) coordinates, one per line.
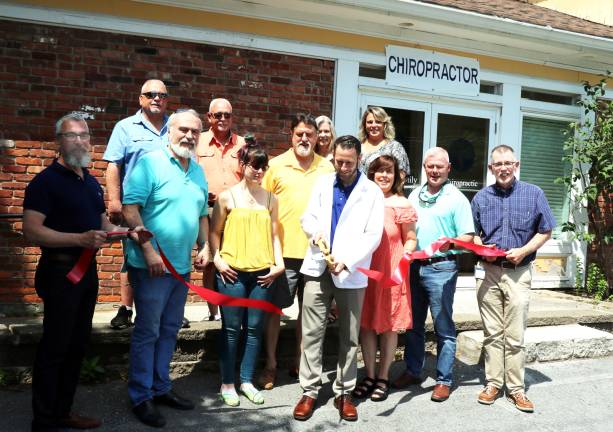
(247, 240)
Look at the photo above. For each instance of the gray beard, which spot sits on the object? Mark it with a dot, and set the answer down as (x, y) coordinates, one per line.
(182, 152)
(75, 160)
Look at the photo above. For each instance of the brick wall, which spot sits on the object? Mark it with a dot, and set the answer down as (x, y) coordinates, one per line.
(48, 71)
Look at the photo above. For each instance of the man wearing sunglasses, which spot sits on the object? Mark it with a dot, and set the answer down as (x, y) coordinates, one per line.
(442, 211)
(217, 154)
(133, 137)
(514, 216)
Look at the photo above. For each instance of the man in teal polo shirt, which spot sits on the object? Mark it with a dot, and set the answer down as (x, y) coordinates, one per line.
(167, 193)
(442, 211)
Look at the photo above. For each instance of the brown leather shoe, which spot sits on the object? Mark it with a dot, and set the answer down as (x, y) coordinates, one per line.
(346, 408)
(304, 408)
(488, 395)
(521, 402)
(75, 421)
(266, 379)
(405, 380)
(440, 393)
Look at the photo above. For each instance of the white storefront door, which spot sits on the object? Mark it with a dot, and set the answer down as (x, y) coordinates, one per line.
(468, 133)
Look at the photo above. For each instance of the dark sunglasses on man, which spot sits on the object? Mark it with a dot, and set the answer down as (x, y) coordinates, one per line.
(153, 95)
(219, 115)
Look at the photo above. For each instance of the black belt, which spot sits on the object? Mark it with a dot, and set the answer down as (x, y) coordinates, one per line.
(59, 258)
(505, 263)
(433, 260)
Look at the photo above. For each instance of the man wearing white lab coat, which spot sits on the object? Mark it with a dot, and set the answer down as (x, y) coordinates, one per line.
(345, 210)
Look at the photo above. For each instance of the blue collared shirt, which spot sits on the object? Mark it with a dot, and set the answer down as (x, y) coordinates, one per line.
(510, 218)
(133, 137)
(340, 195)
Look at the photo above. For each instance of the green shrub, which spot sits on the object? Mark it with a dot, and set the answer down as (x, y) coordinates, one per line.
(92, 371)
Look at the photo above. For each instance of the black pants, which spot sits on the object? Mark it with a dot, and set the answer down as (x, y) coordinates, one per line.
(66, 330)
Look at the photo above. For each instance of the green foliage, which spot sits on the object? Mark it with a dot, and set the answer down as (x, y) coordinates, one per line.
(596, 283)
(589, 148)
(3, 377)
(92, 371)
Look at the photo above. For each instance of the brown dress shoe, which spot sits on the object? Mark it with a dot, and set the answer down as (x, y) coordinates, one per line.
(488, 395)
(440, 393)
(346, 408)
(405, 380)
(75, 421)
(521, 401)
(304, 408)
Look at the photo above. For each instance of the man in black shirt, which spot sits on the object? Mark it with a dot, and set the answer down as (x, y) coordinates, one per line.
(64, 213)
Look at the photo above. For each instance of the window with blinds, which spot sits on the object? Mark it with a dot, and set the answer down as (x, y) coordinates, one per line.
(542, 149)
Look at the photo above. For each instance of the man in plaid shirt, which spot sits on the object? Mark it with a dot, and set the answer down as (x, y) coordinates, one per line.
(515, 216)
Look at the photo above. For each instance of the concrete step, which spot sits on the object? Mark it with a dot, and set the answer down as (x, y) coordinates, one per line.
(547, 343)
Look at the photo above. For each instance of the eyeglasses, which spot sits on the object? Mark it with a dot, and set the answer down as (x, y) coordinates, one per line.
(153, 95)
(506, 164)
(219, 115)
(72, 136)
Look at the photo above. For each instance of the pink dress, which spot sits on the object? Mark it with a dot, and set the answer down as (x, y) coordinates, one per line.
(389, 308)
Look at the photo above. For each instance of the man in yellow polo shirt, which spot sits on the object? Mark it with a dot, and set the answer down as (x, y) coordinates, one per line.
(291, 177)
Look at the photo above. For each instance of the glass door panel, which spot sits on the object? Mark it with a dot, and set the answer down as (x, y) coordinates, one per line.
(409, 126)
(466, 139)
(466, 134)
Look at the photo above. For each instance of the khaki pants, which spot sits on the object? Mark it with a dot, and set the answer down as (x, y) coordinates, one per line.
(318, 295)
(503, 297)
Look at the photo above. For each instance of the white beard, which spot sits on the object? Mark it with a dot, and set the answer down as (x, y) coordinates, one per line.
(182, 152)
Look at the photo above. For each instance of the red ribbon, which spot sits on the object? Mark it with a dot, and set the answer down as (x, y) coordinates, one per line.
(79, 269)
(218, 298)
(402, 270)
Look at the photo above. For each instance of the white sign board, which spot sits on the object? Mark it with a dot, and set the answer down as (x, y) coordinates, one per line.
(431, 71)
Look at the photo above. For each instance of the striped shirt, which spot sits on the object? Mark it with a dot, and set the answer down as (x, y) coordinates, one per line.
(510, 218)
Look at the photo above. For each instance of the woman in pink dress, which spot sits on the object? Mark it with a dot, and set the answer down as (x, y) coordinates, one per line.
(386, 310)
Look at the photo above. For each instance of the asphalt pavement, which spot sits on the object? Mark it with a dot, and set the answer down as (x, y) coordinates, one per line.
(569, 396)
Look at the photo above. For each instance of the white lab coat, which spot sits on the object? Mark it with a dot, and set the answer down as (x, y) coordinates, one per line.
(358, 231)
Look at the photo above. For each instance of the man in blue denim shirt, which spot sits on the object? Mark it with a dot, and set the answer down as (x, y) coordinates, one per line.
(133, 137)
(442, 211)
(514, 216)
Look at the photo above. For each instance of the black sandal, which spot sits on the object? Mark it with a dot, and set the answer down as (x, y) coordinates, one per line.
(380, 392)
(364, 388)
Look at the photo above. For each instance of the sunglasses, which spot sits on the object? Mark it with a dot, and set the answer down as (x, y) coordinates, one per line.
(153, 95)
(219, 115)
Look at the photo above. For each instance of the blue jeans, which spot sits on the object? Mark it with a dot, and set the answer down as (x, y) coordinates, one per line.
(234, 318)
(160, 303)
(432, 285)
